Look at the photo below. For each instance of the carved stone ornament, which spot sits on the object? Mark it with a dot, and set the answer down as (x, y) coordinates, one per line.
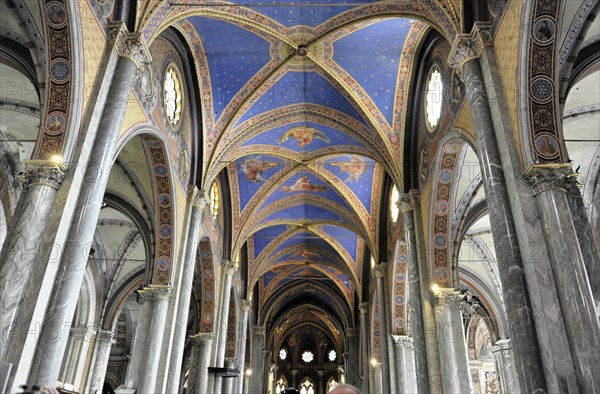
(201, 338)
(245, 305)
(44, 172)
(229, 267)
(129, 45)
(402, 341)
(544, 177)
(405, 203)
(154, 293)
(260, 330)
(449, 297)
(363, 307)
(378, 270)
(467, 47)
(105, 336)
(502, 345)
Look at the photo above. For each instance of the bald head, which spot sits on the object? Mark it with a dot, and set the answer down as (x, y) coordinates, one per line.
(343, 388)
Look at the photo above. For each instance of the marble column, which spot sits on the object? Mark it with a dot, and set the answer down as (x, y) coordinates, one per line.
(41, 180)
(379, 272)
(294, 373)
(74, 362)
(228, 270)
(352, 357)
(464, 56)
(320, 384)
(184, 278)
(104, 341)
(428, 316)
(549, 182)
(375, 380)
(585, 236)
(59, 313)
(505, 367)
(364, 352)
(257, 361)
(228, 382)
(245, 306)
(135, 365)
(405, 364)
(202, 342)
(416, 327)
(192, 380)
(454, 361)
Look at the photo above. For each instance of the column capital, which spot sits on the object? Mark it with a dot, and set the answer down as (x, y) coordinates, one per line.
(402, 341)
(363, 307)
(105, 336)
(320, 372)
(294, 372)
(502, 345)
(544, 177)
(44, 172)
(228, 266)
(128, 45)
(353, 331)
(448, 296)
(197, 197)
(467, 47)
(260, 330)
(245, 305)
(405, 203)
(201, 338)
(379, 270)
(154, 293)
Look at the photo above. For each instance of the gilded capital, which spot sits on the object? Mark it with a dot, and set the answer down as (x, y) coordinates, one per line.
(449, 297)
(154, 293)
(201, 338)
(402, 341)
(467, 47)
(129, 45)
(43, 172)
(363, 307)
(544, 177)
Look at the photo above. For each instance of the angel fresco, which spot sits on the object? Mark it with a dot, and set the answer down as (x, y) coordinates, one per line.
(304, 135)
(303, 184)
(354, 168)
(253, 168)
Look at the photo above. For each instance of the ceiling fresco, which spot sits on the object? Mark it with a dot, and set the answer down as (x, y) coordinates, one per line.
(302, 104)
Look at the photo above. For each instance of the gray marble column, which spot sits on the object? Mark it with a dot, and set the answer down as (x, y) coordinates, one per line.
(51, 345)
(320, 384)
(192, 380)
(203, 342)
(415, 304)
(41, 180)
(228, 382)
(454, 361)
(241, 351)
(136, 362)
(184, 278)
(352, 357)
(375, 380)
(505, 366)
(379, 272)
(464, 55)
(104, 341)
(585, 236)
(228, 270)
(364, 351)
(256, 383)
(294, 373)
(405, 364)
(574, 292)
(74, 362)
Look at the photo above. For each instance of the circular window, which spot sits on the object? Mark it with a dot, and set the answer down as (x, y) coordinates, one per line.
(332, 355)
(215, 200)
(173, 95)
(283, 354)
(433, 98)
(307, 356)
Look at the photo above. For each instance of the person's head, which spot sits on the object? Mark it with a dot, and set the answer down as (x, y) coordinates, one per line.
(343, 388)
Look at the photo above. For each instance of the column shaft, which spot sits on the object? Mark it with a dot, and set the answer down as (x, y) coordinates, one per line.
(257, 362)
(510, 265)
(22, 244)
(405, 364)
(379, 272)
(415, 304)
(228, 383)
(574, 291)
(454, 361)
(352, 357)
(364, 351)
(505, 367)
(204, 343)
(104, 341)
(51, 345)
(245, 305)
(180, 308)
(228, 270)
